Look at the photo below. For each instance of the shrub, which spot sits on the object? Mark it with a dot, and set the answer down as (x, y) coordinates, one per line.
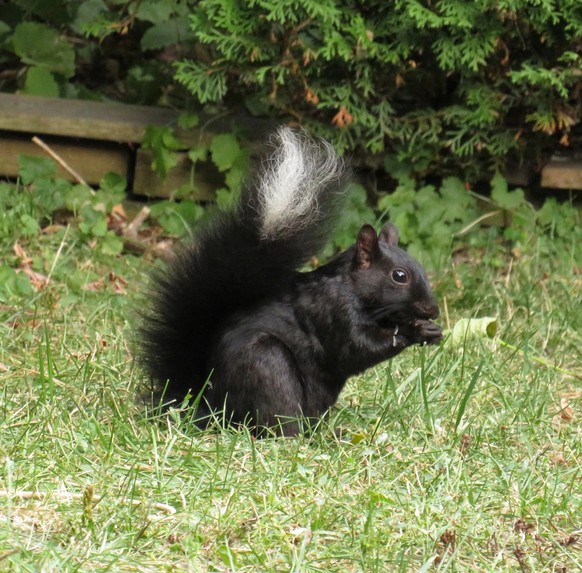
(93, 49)
(445, 85)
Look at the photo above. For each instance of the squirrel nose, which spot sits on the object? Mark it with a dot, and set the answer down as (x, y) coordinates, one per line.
(427, 309)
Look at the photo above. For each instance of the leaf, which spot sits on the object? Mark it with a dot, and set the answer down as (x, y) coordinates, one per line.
(188, 120)
(176, 218)
(28, 225)
(5, 29)
(99, 228)
(225, 150)
(508, 200)
(40, 82)
(189, 211)
(164, 34)
(77, 197)
(111, 244)
(198, 154)
(13, 284)
(163, 144)
(88, 12)
(114, 184)
(37, 44)
(34, 168)
(154, 11)
(467, 328)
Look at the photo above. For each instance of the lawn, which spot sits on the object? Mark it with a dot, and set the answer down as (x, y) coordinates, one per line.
(463, 457)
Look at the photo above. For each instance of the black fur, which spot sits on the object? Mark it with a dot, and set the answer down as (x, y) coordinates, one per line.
(276, 344)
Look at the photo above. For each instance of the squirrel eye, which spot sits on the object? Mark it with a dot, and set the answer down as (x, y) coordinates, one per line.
(399, 276)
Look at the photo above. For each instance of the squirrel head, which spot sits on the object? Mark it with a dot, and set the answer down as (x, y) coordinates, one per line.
(392, 285)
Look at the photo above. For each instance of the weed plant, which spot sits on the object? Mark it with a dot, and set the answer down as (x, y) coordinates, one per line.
(455, 458)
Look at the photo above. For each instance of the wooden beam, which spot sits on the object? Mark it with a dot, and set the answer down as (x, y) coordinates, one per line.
(106, 121)
(562, 173)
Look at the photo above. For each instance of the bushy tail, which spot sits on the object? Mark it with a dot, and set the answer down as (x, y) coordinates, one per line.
(241, 257)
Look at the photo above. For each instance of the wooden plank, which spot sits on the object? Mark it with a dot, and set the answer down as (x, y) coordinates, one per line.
(91, 160)
(107, 121)
(562, 173)
(201, 183)
(113, 121)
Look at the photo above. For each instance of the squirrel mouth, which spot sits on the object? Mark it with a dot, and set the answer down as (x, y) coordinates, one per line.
(389, 321)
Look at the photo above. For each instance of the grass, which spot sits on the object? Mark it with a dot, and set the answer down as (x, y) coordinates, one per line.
(444, 459)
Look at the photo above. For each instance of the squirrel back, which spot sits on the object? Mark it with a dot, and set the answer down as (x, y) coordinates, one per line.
(233, 322)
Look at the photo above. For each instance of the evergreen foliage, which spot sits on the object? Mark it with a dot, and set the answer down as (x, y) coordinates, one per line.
(447, 85)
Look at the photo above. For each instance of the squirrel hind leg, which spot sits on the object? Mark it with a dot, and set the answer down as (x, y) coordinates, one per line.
(257, 383)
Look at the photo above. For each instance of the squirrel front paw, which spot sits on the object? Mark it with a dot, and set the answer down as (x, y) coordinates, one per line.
(418, 331)
(427, 332)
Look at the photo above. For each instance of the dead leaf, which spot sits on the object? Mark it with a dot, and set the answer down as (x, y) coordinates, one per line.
(37, 280)
(566, 413)
(95, 286)
(311, 97)
(343, 117)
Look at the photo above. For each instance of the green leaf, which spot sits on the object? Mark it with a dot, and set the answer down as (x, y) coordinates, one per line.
(111, 190)
(5, 30)
(77, 197)
(34, 168)
(164, 34)
(508, 200)
(198, 154)
(154, 11)
(190, 212)
(454, 190)
(89, 11)
(28, 225)
(163, 144)
(38, 45)
(188, 120)
(99, 228)
(41, 82)
(176, 218)
(113, 183)
(111, 244)
(8, 195)
(225, 150)
(13, 284)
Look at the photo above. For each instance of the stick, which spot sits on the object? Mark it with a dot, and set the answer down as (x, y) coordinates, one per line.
(61, 162)
(132, 228)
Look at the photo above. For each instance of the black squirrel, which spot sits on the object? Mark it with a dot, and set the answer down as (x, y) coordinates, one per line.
(233, 321)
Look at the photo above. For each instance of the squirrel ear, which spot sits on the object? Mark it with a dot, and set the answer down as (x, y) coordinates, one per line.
(366, 246)
(389, 234)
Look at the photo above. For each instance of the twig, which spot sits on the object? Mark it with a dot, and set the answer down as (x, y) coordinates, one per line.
(61, 162)
(130, 231)
(476, 222)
